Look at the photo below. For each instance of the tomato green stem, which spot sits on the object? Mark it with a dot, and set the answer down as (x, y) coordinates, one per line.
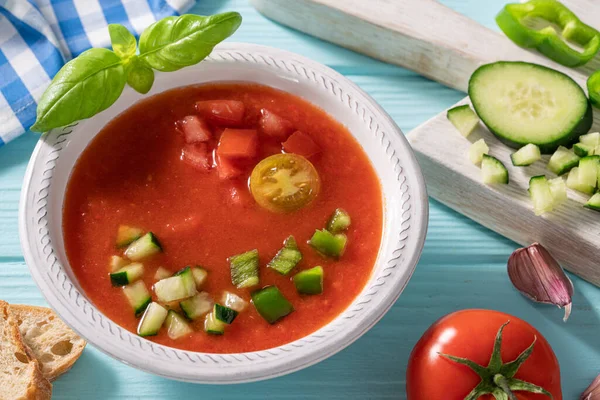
(502, 383)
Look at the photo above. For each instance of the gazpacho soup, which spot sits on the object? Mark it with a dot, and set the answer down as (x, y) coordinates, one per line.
(223, 218)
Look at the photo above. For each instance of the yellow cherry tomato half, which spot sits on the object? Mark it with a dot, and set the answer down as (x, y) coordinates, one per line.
(284, 183)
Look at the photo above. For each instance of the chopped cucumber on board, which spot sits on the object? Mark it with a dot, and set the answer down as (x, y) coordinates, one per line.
(463, 118)
(287, 258)
(477, 150)
(591, 139)
(558, 188)
(574, 183)
(541, 195)
(562, 161)
(594, 202)
(126, 275)
(583, 150)
(177, 326)
(152, 320)
(138, 296)
(524, 103)
(493, 171)
(588, 170)
(144, 247)
(127, 234)
(244, 269)
(526, 155)
(339, 221)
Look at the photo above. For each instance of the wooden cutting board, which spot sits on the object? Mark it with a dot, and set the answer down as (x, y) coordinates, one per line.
(437, 42)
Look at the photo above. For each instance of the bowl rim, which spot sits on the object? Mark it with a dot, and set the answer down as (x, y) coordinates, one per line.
(263, 364)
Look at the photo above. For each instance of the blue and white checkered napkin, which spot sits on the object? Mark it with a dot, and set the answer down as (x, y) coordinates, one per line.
(38, 36)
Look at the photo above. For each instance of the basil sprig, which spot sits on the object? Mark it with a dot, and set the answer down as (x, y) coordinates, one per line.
(93, 81)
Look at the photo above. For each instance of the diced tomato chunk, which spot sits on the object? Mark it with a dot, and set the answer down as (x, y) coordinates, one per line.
(197, 155)
(302, 144)
(224, 112)
(275, 126)
(195, 129)
(238, 143)
(227, 168)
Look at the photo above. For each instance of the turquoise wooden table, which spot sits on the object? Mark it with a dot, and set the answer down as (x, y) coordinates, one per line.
(463, 265)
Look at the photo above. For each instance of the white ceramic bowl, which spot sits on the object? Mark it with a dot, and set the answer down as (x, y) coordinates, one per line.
(404, 228)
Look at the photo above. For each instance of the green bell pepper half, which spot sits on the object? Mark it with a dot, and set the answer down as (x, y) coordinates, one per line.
(514, 18)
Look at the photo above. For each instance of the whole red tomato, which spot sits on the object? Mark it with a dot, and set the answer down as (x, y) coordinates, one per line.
(470, 334)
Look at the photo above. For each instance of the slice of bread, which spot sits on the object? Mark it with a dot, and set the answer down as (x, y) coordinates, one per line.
(52, 342)
(20, 377)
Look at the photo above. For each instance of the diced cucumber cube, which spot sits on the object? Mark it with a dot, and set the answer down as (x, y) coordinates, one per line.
(463, 118)
(558, 188)
(177, 327)
(477, 150)
(493, 171)
(526, 155)
(339, 221)
(116, 263)
(591, 139)
(174, 288)
(583, 150)
(562, 161)
(213, 326)
(200, 276)
(541, 196)
(594, 202)
(127, 274)
(234, 301)
(309, 281)
(153, 319)
(138, 296)
(224, 314)
(588, 170)
(271, 304)
(144, 247)
(574, 183)
(197, 305)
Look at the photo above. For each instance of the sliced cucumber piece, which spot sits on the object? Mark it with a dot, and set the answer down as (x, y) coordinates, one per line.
(187, 276)
(138, 296)
(197, 305)
(213, 326)
(144, 247)
(127, 234)
(524, 103)
(463, 118)
(309, 281)
(594, 202)
(339, 221)
(127, 274)
(162, 273)
(328, 244)
(562, 161)
(271, 304)
(558, 188)
(287, 258)
(583, 150)
(116, 263)
(177, 327)
(574, 183)
(591, 139)
(153, 319)
(224, 314)
(588, 170)
(244, 269)
(234, 301)
(477, 150)
(493, 171)
(174, 288)
(200, 276)
(526, 155)
(541, 196)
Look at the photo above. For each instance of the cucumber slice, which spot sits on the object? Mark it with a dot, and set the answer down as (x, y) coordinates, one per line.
(524, 103)
(309, 281)
(224, 314)
(177, 327)
(588, 170)
(541, 195)
(153, 319)
(562, 161)
(127, 234)
(526, 155)
(287, 258)
(594, 202)
(144, 247)
(200, 276)
(328, 244)
(162, 273)
(591, 139)
(127, 274)
(477, 150)
(558, 188)
(583, 150)
(463, 118)
(234, 301)
(271, 304)
(244, 269)
(197, 305)
(339, 221)
(138, 296)
(175, 288)
(213, 326)
(574, 183)
(493, 171)
(116, 263)
(187, 276)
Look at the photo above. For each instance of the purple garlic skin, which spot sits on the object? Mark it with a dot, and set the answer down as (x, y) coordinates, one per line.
(537, 275)
(593, 391)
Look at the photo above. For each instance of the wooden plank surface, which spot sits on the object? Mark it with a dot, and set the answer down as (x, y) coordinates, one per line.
(463, 264)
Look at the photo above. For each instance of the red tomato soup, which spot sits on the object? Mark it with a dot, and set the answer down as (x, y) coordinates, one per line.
(178, 165)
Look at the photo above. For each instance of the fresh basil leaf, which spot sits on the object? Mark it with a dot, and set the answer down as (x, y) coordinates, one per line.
(82, 88)
(140, 76)
(176, 42)
(123, 42)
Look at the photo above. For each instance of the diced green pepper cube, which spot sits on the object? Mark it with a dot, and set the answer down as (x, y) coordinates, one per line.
(244, 269)
(271, 304)
(309, 281)
(329, 244)
(286, 259)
